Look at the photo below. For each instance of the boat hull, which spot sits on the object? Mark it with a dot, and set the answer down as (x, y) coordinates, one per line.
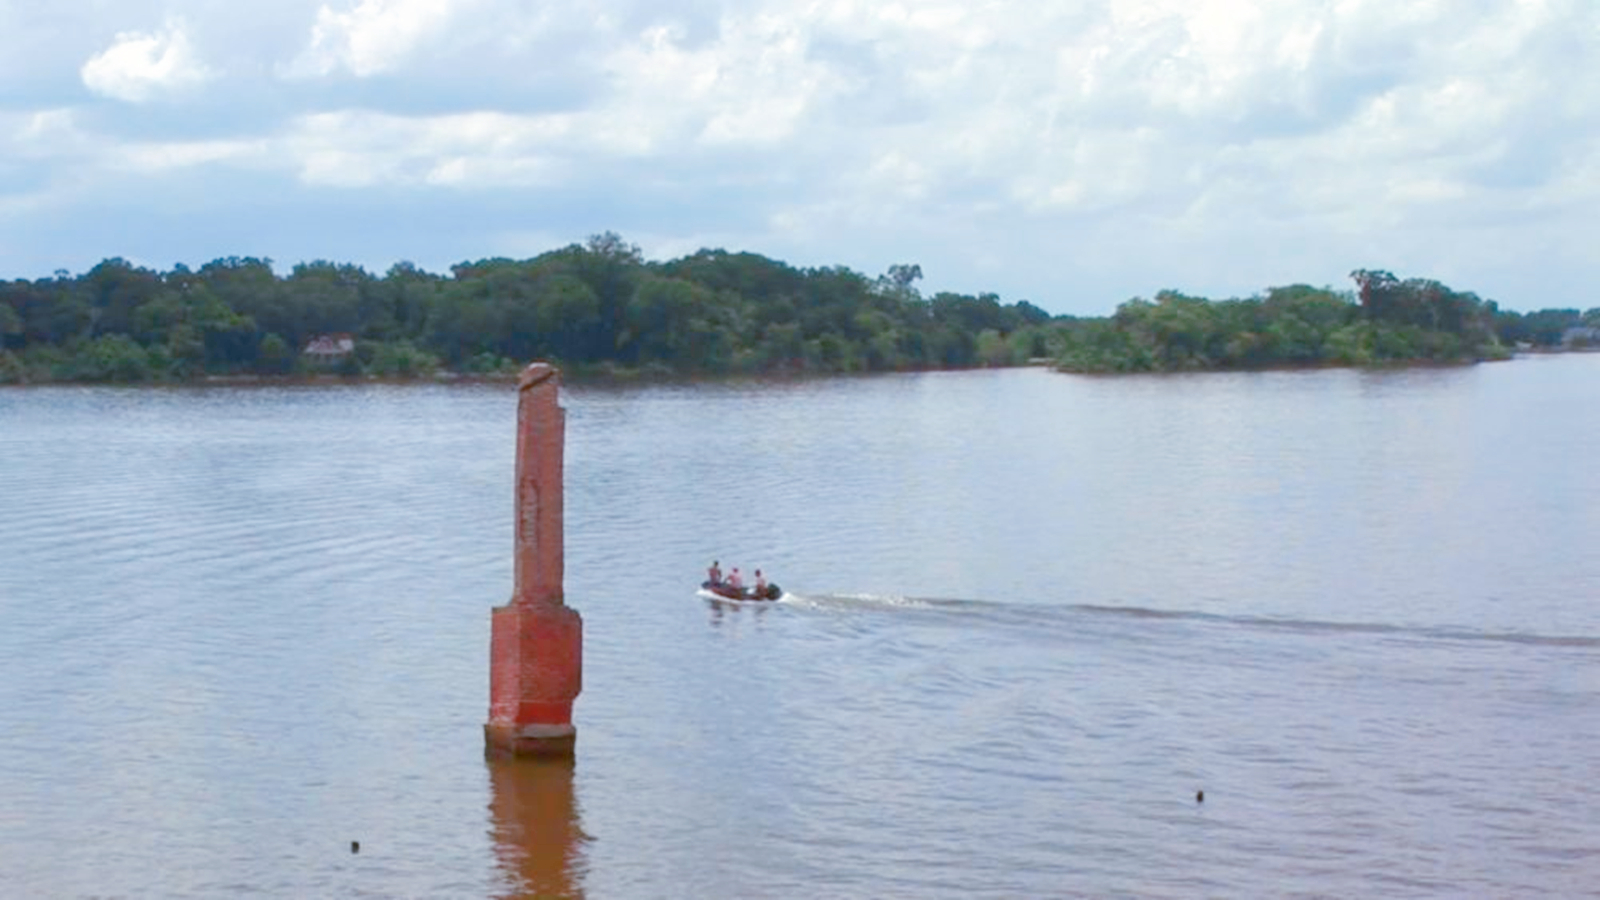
(721, 590)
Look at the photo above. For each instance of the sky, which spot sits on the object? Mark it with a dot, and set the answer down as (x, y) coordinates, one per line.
(1072, 153)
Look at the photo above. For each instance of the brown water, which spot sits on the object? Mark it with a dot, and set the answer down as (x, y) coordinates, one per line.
(1035, 613)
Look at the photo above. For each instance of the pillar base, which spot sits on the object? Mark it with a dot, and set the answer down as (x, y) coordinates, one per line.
(506, 739)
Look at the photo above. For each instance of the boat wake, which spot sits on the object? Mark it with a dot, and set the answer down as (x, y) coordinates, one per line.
(863, 601)
(1443, 633)
(1040, 613)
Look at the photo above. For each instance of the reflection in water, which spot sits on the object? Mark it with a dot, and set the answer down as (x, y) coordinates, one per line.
(537, 838)
(720, 609)
(1361, 620)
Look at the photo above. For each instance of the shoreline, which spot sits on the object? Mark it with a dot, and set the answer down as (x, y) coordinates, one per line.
(651, 376)
(576, 376)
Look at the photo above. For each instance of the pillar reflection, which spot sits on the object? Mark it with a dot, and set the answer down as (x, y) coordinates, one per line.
(538, 841)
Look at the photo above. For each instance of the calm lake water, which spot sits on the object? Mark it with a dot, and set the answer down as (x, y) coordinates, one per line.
(241, 628)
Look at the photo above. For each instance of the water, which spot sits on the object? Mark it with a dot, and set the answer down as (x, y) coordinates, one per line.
(1034, 615)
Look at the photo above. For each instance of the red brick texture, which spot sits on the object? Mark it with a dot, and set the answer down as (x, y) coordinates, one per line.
(536, 645)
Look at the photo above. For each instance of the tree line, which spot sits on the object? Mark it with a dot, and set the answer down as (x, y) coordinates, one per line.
(600, 306)
(595, 306)
(1385, 320)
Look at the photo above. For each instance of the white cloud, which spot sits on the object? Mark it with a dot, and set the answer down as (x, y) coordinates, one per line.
(1163, 140)
(471, 150)
(45, 128)
(164, 156)
(753, 86)
(140, 66)
(372, 37)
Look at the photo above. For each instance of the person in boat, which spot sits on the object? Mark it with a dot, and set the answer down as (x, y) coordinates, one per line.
(714, 574)
(761, 585)
(735, 580)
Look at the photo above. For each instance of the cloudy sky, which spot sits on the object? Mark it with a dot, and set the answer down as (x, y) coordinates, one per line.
(1073, 153)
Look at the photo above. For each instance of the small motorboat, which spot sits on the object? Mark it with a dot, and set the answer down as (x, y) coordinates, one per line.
(725, 591)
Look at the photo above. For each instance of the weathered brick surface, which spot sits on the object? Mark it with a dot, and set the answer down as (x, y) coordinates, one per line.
(536, 670)
(541, 445)
(536, 644)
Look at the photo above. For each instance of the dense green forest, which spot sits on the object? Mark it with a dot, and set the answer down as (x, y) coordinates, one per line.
(598, 306)
(1386, 320)
(601, 307)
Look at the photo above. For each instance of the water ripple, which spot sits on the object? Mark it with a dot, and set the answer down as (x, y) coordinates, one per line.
(242, 628)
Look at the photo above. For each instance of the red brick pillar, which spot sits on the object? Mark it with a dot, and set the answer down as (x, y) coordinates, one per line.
(536, 649)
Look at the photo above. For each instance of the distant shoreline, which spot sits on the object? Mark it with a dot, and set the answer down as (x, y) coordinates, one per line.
(572, 376)
(614, 376)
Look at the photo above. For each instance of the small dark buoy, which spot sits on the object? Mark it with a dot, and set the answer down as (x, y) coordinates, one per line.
(1199, 796)
(355, 846)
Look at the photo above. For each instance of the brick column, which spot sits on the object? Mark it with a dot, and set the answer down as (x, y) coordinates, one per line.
(536, 648)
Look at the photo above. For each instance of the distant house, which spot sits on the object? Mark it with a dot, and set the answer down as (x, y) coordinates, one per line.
(329, 348)
(1580, 336)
